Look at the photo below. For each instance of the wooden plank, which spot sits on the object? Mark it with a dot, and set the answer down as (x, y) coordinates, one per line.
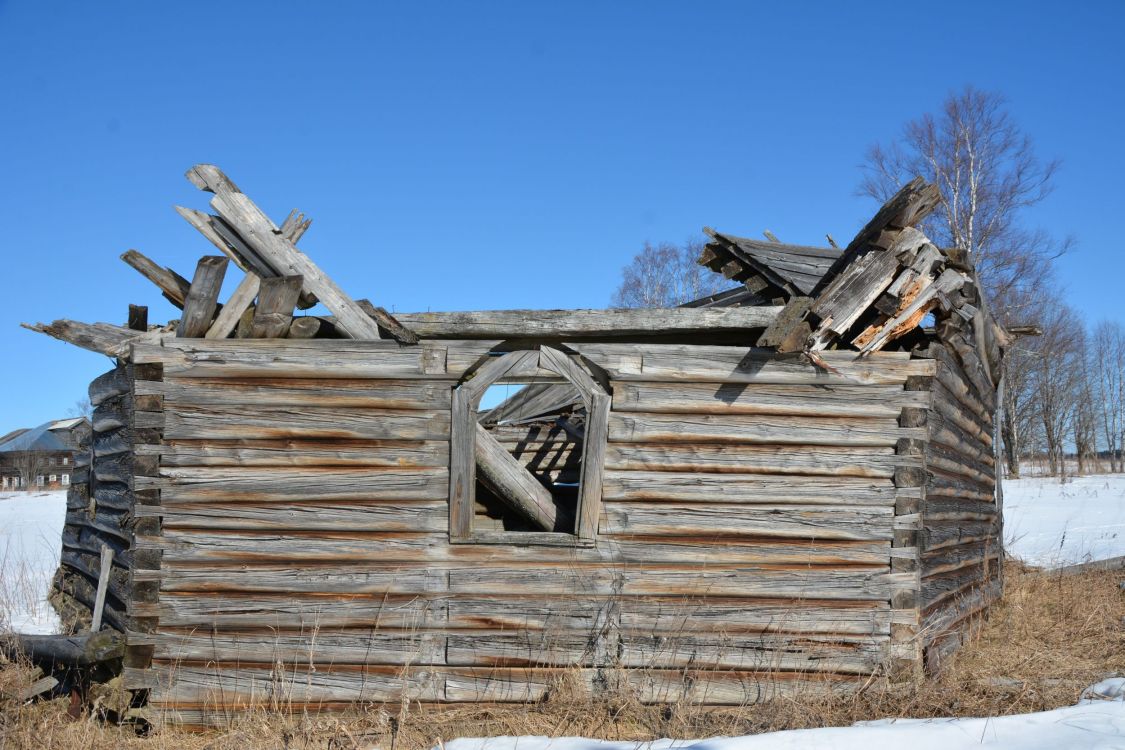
(511, 364)
(262, 235)
(337, 392)
(639, 427)
(206, 484)
(103, 585)
(462, 464)
(174, 287)
(103, 338)
(138, 318)
(315, 647)
(512, 483)
(279, 358)
(861, 523)
(306, 422)
(753, 459)
(553, 359)
(692, 486)
(358, 515)
(277, 297)
(510, 324)
(836, 400)
(427, 548)
(387, 323)
(239, 302)
(202, 297)
(591, 483)
(404, 454)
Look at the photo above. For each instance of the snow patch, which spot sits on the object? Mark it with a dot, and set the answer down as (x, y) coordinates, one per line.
(1053, 524)
(31, 527)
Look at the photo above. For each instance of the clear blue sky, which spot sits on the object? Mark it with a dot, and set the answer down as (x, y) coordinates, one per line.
(489, 155)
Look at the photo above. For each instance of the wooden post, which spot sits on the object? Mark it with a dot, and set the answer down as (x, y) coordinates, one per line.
(274, 312)
(103, 586)
(138, 318)
(203, 296)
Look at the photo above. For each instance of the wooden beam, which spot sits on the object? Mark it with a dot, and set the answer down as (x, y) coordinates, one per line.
(138, 318)
(274, 312)
(103, 586)
(263, 236)
(103, 338)
(294, 226)
(387, 323)
(511, 482)
(240, 300)
(510, 324)
(65, 650)
(172, 285)
(203, 296)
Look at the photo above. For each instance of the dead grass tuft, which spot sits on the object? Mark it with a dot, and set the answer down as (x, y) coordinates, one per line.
(1049, 638)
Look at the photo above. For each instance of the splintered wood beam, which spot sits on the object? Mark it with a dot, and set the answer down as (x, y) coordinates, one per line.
(103, 338)
(103, 587)
(240, 300)
(771, 236)
(950, 281)
(172, 285)
(388, 323)
(294, 226)
(222, 236)
(274, 312)
(263, 236)
(203, 296)
(138, 318)
(512, 483)
(914, 202)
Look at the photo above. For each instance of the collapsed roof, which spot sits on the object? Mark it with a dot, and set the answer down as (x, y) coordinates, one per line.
(873, 294)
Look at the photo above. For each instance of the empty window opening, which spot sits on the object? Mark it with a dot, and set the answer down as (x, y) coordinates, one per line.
(535, 464)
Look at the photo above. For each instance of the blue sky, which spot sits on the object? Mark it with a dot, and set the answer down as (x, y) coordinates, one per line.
(490, 155)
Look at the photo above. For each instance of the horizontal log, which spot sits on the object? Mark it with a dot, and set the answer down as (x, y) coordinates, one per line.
(863, 584)
(293, 392)
(116, 382)
(205, 422)
(420, 516)
(208, 484)
(60, 651)
(403, 454)
(526, 324)
(837, 400)
(690, 486)
(193, 546)
(759, 429)
(860, 523)
(313, 647)
(753, 459)
(187, 693)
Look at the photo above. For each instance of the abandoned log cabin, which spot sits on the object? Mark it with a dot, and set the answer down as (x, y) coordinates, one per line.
(790, 485)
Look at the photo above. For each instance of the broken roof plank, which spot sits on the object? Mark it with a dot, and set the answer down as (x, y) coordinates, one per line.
(103, 338)
(264, 237)
(173, 286)
(240, 300)
(504, 324)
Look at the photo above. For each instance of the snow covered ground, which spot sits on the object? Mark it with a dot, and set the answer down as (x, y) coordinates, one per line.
(1098, 722)
(30, 541)
(1051, 524)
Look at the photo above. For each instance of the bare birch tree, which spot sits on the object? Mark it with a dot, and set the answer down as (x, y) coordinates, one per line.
(1107, 366)
(1055, 375)
(988, 173)
(666, 275)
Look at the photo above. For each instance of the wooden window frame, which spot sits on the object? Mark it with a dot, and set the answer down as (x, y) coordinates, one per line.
(463, 465)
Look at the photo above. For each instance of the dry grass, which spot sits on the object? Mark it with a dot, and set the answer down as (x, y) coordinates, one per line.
(1050, 637)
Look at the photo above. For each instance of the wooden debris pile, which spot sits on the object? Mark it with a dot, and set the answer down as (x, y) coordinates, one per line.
(278, 279)
(874, 294)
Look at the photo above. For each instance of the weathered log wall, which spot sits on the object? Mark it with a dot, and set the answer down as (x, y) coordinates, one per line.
(960, 545)
(99, 510)
(293, 523)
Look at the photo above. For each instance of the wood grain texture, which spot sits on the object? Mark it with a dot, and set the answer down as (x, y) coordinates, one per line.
(202, 297)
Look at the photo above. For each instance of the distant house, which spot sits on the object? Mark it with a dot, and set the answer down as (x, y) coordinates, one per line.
(42, 457)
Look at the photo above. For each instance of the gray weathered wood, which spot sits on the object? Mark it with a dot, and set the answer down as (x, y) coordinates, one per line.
(261, 234)
(511, 482)
(276, 299)
(590, 486)
(202, 297)
(103, 338)
(505, 324)
(240, 300)
(174, 287)
(103, 585)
